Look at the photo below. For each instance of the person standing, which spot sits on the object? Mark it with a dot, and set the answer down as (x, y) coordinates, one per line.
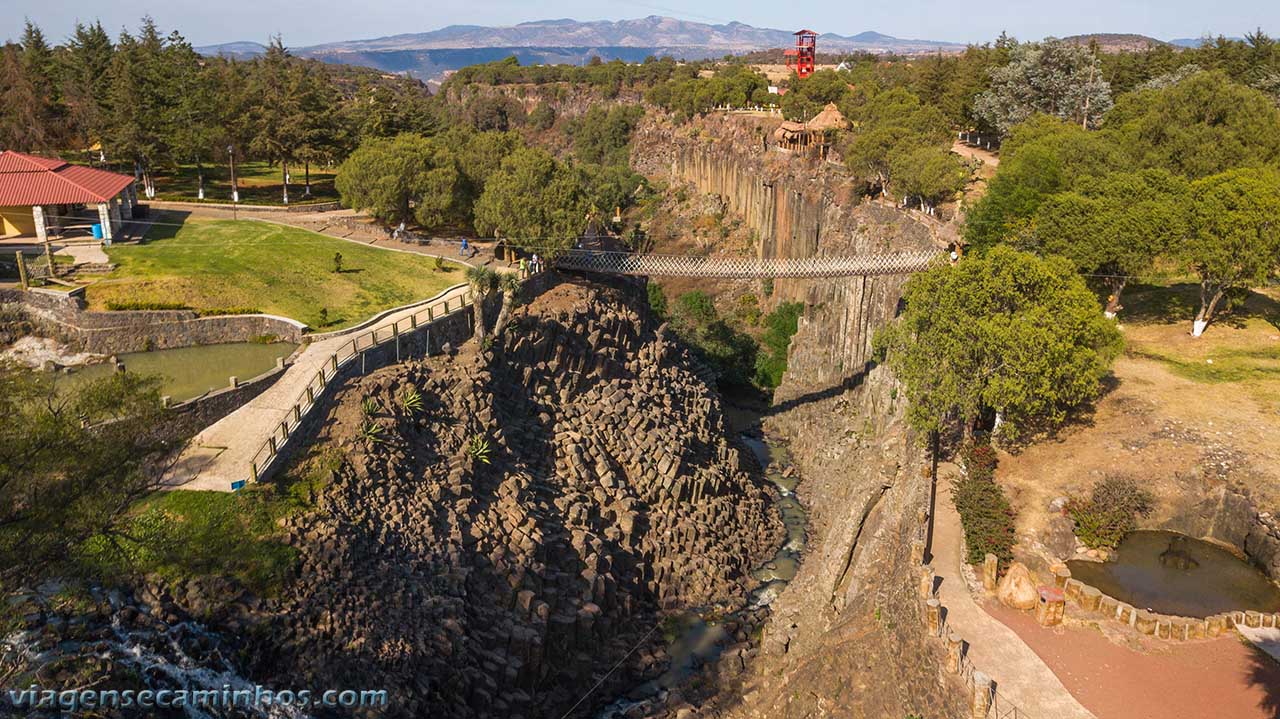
(524, 269)
(463, 253)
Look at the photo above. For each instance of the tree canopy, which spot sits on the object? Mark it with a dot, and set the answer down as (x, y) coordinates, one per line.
(1054, 77)
(1006, 337)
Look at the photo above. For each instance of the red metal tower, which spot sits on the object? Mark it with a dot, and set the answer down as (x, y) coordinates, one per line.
(801, 57)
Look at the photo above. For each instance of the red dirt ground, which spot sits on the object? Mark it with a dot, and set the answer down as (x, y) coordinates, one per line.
(1219, 679)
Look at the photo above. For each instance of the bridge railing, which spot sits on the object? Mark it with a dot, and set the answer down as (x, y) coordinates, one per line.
(351, 350)
(626, 263)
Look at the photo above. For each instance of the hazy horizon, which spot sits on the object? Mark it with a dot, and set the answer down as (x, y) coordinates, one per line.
(204, 23)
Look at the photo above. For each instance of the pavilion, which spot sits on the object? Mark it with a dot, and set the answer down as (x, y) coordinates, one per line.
(37, 193)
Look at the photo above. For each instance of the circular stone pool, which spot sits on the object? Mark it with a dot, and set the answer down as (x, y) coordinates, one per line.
(1171, 573)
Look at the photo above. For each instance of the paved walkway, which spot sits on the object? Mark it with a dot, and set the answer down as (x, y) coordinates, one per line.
(221, 453)
(1224, 678)
(1021, 677)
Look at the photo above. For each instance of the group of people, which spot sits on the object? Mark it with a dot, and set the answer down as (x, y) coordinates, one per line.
(532, 266)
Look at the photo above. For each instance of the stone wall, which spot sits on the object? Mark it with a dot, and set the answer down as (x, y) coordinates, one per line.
(63, 316)
(1092, 602)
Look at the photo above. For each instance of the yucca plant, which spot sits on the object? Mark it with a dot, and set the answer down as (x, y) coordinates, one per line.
(411, 400)
(369, 406)
(479, 448)
(372, 432)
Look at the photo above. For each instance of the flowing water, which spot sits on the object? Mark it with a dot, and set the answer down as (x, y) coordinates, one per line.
(1174, 574)
(693, 641)
(189, 372)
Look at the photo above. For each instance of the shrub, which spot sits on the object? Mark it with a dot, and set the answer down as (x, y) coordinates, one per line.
(132, 305)
(219, 311)
(1110, 512)
(984, 509)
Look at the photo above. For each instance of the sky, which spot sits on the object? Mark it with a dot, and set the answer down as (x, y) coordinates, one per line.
(309, 22)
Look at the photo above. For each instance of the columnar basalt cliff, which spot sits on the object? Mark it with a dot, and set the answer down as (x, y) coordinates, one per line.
(493, 550)
(797, 207)
(846, 637)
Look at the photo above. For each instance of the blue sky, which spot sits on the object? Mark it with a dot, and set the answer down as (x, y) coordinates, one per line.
(306, 22)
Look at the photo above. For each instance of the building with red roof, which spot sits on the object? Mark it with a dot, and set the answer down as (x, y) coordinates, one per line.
(36, 190)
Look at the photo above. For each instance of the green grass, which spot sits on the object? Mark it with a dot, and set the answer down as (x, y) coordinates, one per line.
(211, 265)
(259, 184)
(1223, 365)
(180, 534)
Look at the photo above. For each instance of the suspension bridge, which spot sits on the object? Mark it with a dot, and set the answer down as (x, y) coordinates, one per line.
(653, 265)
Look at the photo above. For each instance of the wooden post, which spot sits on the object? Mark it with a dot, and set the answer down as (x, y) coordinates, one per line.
(22, 270)
(48, 258)
(395, 330)
(254, 466)
(297, 413)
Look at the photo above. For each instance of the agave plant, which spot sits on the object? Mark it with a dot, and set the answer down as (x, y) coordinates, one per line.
(479, 448)
(372, 432)
(411, 400)
(369, 406)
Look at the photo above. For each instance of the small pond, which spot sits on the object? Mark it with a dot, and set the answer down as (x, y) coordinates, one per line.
(1174, 574)
(189, 372)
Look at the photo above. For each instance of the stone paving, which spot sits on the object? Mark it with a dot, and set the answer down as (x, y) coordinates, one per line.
(222, 453)
(1021, 676)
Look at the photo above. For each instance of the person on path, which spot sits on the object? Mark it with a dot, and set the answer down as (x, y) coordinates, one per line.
(463, 253)
(524, 270)
(537, 263)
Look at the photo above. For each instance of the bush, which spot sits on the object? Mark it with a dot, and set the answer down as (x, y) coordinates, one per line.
(133, 305)
(1111, 512)
(780, 325)
(218, 311)
(984, 509)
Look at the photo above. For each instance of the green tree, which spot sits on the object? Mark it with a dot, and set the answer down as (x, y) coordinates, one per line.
(1114, 227)
(71, 466)
(807, 97)
(86, 67)
(1201, 126)
(533, 200)
(409, 178)
(1054, 77)
(21, 126)
(279, 119)
(930, 173)
(1005, 338)
(1234, 239)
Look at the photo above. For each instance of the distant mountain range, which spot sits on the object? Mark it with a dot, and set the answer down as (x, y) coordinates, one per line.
(430, 54)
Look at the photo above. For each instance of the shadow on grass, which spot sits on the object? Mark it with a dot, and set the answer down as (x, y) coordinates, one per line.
(1171, 304)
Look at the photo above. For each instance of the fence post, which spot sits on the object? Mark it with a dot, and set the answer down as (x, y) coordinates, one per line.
(297, 412)
(271, 441)
(981, 696)
(955, 649)
(933, 616)
(395, 330)
(362, 364)
(22, 270)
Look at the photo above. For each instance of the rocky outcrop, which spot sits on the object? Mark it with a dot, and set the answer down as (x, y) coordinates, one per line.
(847, 636)
(495, 549)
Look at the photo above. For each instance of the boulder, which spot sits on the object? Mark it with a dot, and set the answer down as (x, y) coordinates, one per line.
(1017, 589)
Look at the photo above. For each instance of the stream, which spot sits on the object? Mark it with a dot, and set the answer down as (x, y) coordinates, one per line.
(694, 640)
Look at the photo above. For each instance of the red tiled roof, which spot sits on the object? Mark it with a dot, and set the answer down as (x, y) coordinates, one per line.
(30, 180)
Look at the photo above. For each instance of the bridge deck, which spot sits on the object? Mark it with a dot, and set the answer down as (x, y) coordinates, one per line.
(625, 263)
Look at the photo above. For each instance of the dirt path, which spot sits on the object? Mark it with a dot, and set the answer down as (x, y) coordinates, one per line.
(1220, 679)
(1022, 678)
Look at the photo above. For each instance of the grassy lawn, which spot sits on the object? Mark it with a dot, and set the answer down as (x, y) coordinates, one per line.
(259, 183)
(186, 534)
(1241, 347)
(211, 265)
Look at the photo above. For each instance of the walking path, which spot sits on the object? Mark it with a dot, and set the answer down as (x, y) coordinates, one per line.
(222, 453)
(1021, 677)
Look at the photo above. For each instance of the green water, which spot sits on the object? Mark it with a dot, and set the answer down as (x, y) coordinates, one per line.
(189, 372)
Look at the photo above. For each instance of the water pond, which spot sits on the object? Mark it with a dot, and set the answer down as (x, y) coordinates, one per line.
(1174, 574)
(189, 372)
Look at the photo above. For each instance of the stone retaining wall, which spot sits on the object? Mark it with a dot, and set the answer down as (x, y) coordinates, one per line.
(187, 418)
(1093, 603)
(63, 316)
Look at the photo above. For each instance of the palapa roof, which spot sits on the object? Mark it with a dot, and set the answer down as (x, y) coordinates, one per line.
(829, 119)
(27, 180)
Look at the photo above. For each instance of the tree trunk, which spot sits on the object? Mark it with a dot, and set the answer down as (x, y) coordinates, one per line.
(477, 306)
(1210, 296)
(199, 180)
(504, 314)
(1113, 300)
(306, 191)
(284, 180)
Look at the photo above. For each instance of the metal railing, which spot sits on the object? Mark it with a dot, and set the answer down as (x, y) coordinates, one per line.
(626, 263)
(348, 352)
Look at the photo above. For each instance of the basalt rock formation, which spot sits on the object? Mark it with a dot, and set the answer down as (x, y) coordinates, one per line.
(493, 547)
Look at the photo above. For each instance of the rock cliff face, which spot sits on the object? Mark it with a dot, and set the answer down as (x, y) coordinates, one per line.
(496, 549)
(846, 638)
